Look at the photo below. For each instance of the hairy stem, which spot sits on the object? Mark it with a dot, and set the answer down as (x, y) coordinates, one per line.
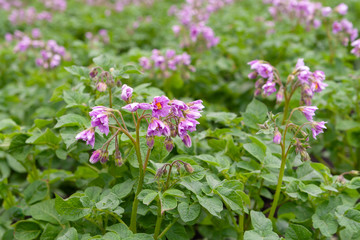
(158, 221)
(167, 228)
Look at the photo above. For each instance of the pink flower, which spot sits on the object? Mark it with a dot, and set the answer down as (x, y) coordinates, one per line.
(277, 137)
(126, 92)
(317, 128)
(309, 112)
(87, 135)
(342, 8)
(133, 107)
(160, 107)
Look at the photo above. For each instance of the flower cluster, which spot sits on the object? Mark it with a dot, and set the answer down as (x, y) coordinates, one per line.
(167, 62)
(312, 14)
(9, 4)
(193, 16)
(309, 82)
(102, 36)
(345, 31)
(169, 118)
(51, 53)
(28, 16)
(121, 4)
(55, 5)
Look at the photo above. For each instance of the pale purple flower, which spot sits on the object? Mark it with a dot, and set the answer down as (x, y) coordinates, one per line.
(317, 128)
(126, 92)
(356, 49)
(277, 137)
(300, 65)
(280, 95)
(8, 37)
(254, 64)
(265, 70)
(252, 75)
(196, 105)
(317, 84)
(309, 112)
(336, 27)
(87, 135)
(177, 107)
(342, 8)
(133, 107)
(100, 119)
(269, 88)
(176, 29)
(186, 125)
(158, 128)
(326, 11)
(160, 107)
(145, 63)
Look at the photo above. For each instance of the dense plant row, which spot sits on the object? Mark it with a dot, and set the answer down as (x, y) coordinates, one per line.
(151, 120)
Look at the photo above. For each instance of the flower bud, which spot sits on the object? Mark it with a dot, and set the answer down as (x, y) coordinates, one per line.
(188, 168)
(101, 87)
(95, 157)
(104, 157)
(112, 69)
(159, 172)
(150, 141)
(341, 179)
(304, 155)
(173, 131)
(280, 95)
(169, 144)
(118, 83)
(93, 73)
(277, 136)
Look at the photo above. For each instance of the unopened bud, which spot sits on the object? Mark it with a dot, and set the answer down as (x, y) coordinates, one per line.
(188, 168)
(150, 141)
(104, 157)
(290, 79)
(93, 73)
(159, 172)
(118, 83)
(173, 131)
(354, 172)
(101, 87)
(280, 95)
(341, 179)
(112, 69)
(277, 136)
(169, 144)
(304, 155)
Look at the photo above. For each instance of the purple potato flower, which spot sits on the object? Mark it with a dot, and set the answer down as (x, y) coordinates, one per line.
(317, 128)
(269, 88)
(160, 107)
(158, 128)
(95, 156)
(309, 112)
(126, 92)
(277, 137)
(87, 135)
(133, 107)
(186, 125)
(99, 118)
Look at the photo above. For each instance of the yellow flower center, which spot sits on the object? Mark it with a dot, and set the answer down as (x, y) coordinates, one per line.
(158, 105)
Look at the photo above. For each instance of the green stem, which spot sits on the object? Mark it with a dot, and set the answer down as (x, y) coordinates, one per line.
(286, 109)
(158, 221)
(278, 187)
(110, 97)
(167, 228)
(241, 226)
(147, 158)
(141, 178)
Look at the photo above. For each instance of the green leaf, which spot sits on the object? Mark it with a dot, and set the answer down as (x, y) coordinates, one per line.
(18, 148)
(254, 235)
(103, 61)
(208, 159)
(110, 201)
(45, 211)
(121, 229)
(188, 212)
(255, 114)
(260, 222)
(71, 119)
(221, 117)
(231, 197)
(174, 192)
(71, 208)
(177, 232)
(297, 232)
(35, 192)
(121, 190)
(76, 99)
(68, 135)
(57, 95)
(50, 232)
(148, 196)
(311, 189)
(167, 202)
(255, 150)
(212, 204)
(69, 234)
(46, 138)
(7, 123)
(27, 230)
(354, 183)
(159, 152)
(129, 69)
(78, 71)
(93, 193)
(350, 220)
